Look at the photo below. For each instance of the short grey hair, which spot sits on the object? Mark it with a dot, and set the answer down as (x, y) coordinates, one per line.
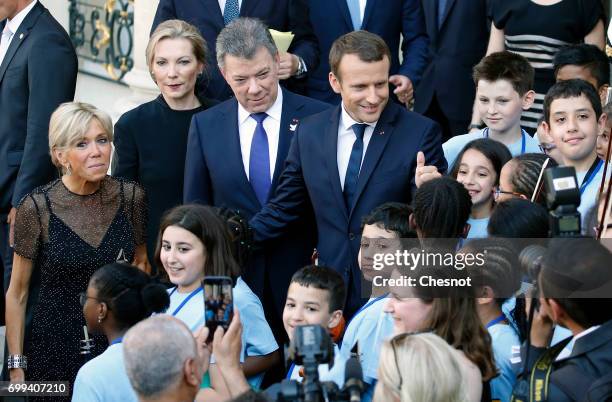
(242, 38)
(155, 351)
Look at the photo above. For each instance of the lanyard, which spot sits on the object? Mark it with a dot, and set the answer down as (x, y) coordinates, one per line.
(496, 320)
(195, 292)
(290, 371)
(116, 341)
(591, 174)
(365, 306)
(523, 140)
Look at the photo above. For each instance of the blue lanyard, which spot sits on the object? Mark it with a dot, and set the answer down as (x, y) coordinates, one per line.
(523, 140)
(365, 306)
(290, 371)
(591, 174)
(195, 292)
(496, 320)
(116, 341)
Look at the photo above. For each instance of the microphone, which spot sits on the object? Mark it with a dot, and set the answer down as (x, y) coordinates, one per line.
(353, 379)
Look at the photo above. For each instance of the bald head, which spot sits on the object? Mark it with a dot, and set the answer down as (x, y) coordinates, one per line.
(155, 351)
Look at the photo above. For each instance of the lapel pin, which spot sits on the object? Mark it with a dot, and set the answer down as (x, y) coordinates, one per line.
(21, 36)
(381, 132)
(293, 125)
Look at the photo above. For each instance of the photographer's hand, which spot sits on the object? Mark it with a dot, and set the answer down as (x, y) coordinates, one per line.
(227, 349)
(542, 326)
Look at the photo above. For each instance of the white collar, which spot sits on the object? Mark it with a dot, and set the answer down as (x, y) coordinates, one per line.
(14, 24)
(275, 111)
(586, 332)
(348, 122)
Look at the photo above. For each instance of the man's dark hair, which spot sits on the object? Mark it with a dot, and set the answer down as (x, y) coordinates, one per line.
(578, 267)
(367, 46)
(574, 88)
(393, 217)
(442, 208)
(507, 66)
(320, 277)
(586, 56)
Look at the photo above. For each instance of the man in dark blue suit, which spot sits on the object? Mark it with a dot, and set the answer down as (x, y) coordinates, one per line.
(348, 160)
(211, 16)
(458, 33)
(237, 149)
(38, 69)
(390, 19)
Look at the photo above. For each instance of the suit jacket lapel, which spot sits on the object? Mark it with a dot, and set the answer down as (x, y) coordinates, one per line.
(344, 10)
(212, 6)
(247, 7)
(430, 9)
(449, 7)
(20, 36)
(331, 157)
(286, 130)
(234, 160)
(380, 136)
(369, 9)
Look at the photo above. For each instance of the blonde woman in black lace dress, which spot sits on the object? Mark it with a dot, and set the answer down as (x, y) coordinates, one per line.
(64, 231)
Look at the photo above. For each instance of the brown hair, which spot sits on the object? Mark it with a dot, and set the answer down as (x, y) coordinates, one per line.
(205, 223)
(507, 66)
(367, 46)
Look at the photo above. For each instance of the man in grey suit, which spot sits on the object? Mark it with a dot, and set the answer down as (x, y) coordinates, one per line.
(38, 69)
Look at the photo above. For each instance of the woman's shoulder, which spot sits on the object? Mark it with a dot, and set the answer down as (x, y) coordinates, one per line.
(142, 112)
(37, 196)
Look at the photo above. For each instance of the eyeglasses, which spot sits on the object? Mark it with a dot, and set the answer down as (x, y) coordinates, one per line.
(498, 191)
(546, 147)
(83, 298)
(396, 340)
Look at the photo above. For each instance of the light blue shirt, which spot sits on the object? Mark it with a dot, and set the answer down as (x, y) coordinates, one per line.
(507, 352)
(478, 228)
(588, 198)
(257, 337)
(453, 146)
(104, 379)
(371, 326)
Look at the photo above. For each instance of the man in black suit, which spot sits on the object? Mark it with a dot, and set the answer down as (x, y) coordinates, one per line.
(38, 68)
(211, 16)
(458, 33)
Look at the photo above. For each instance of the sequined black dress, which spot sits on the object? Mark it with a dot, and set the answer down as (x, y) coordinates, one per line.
(69, 236)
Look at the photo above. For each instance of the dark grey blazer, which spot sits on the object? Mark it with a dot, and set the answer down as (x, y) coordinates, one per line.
(37, 74)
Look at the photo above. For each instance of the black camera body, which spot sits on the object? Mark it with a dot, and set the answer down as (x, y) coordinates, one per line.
(562, 200)
(311, 347)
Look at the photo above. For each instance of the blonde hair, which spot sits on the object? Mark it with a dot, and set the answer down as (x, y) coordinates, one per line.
(177, 29)
(426, 367)
(69, 123)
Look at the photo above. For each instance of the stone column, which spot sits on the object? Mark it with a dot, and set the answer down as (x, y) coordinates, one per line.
(139, 80)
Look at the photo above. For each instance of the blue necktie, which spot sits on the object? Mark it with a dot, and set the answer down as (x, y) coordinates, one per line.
(353, 6)
(259, 161)
(354, 165)
(441, 11)
(231, 11)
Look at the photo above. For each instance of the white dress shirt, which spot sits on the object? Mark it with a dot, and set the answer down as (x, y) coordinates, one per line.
(246, 129)
(362, 6)
(13, 26)
(222, 5)
(346, 139)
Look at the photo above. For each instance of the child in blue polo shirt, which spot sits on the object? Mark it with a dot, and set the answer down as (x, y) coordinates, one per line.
(573, 118)
(382, 233)
(504, 82)
(194, 242)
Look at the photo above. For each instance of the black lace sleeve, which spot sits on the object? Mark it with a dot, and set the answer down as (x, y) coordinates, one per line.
(28, 228)
(137, 210)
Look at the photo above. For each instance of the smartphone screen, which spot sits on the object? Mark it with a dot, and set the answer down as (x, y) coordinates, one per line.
(218, 303)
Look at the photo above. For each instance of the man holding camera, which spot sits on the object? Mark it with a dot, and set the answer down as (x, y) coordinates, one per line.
(575, 284)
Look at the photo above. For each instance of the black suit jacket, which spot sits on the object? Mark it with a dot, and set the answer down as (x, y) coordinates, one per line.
(214, 175)
(37, 74)
(454, 49)
(282, 15)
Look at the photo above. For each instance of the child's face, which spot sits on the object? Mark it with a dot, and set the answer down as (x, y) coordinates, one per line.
(308, 306)
(183, 257)
(499, 105)
(505, 182)
(547, 144)
(572, 71)
(478, 176)
(574, 127)
(409, 313)
(603, 140)
(376, 240)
